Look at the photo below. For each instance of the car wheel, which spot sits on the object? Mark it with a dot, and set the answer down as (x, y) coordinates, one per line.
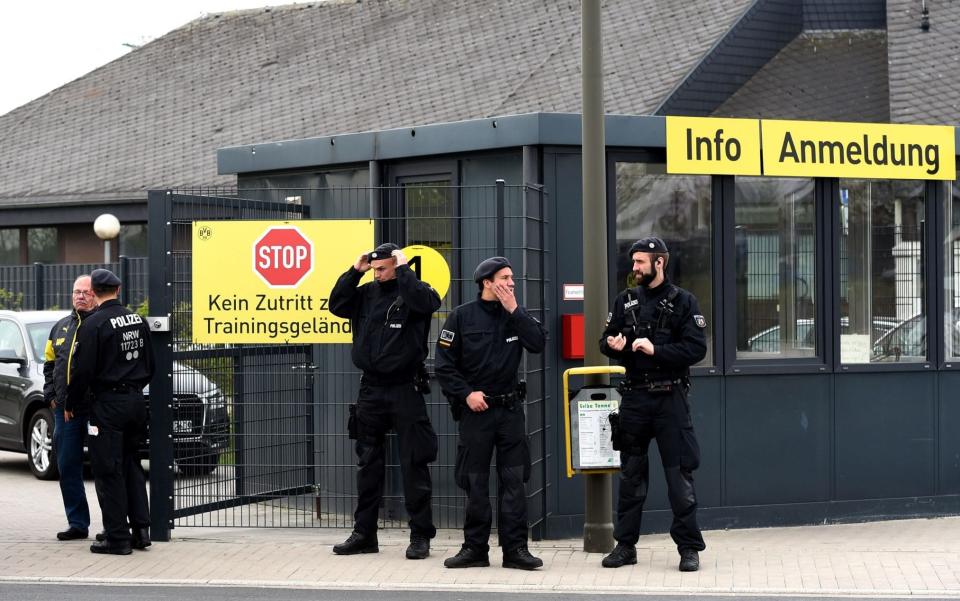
(199, 465)
(39, 445)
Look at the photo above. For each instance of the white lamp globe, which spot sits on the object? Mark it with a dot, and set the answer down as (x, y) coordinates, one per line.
(106, 226)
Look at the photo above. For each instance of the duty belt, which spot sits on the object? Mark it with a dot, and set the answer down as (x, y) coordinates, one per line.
(121, 388)
(661, 384)
(502, 400)
(382, 381)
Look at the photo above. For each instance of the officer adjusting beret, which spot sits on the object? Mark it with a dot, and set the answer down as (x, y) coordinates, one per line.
(103, 277)
(384, 251)
(648, 245)
(487, 268)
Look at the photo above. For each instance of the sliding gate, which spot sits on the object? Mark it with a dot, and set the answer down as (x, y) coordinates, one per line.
(255, 435)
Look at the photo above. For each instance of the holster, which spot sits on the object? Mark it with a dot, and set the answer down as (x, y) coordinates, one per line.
(352, 428)
(615, 432)
(421, 381)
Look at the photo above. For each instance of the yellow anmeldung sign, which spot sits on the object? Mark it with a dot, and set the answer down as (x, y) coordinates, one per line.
(702, 145)
(858, 150)
(270, 281)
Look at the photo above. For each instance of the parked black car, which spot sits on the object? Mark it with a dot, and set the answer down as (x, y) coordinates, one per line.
(201, 425)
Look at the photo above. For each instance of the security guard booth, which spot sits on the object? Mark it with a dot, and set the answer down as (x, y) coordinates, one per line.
(828, 272)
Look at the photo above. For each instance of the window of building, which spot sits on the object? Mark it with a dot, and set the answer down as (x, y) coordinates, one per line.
(133, 240)
(677, 209)
(42, 245)
(951, 318)
(882, 313)
(775, 275)
(9, 246)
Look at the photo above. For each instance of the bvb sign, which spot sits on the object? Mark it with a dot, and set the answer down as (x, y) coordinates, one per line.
(428, 264)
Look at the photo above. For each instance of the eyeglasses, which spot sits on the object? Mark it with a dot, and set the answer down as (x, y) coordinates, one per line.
(83, 293)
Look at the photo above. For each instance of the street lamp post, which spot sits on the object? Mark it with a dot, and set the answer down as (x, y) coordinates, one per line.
(106, 227)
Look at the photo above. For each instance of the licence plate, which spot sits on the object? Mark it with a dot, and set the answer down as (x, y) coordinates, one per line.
(182, 425)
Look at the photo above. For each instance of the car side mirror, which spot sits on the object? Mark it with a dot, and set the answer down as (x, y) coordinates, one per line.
(10, 356)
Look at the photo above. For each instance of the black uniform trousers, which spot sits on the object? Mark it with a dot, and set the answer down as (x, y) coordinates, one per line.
(503, 429)
(121, 422)
(666, 417)
(402, 409)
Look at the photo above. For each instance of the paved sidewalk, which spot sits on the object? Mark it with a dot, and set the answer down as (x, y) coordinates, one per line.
(893, 558)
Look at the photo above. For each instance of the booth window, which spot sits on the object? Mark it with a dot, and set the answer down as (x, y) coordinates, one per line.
(775, 260)
(42, 245)
(882, 313)
(951, 318)
(10, 246)
(133, 240)
(677, 209)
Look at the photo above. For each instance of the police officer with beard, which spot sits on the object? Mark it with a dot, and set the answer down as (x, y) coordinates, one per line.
(390, 320)
(478, 352)
(113, 359)
(656, 332)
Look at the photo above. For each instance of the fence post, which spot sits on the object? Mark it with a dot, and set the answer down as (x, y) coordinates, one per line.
(159, 216)
(124, 276)
(38, 301)
(500, 216)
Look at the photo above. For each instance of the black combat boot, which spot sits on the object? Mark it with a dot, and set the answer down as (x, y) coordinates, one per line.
(419, 547)
(521, 559)
(689, 560)
(357, 543)
(621, 555)
(468, 557)
(72, 533)
(140, 538)
(111, 548)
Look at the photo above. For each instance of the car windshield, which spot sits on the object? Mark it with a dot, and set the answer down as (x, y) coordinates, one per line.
(39, 332)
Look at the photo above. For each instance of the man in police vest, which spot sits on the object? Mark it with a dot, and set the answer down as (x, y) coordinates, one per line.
(390, 320)
(113, 359)
(656, 332)
(478, 353)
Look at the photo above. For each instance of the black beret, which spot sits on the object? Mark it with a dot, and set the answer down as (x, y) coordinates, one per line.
(648, 245)
(487, 268)
(103, 277)
(384, 251)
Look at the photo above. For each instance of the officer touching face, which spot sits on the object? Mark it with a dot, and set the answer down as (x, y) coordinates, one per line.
(390, 320)
(656, 332)
(478, 353)
(113, 359)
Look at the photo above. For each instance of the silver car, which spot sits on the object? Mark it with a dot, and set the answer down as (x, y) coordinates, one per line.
(201, 426)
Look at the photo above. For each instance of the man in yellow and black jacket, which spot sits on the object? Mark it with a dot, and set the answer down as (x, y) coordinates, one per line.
(68, 436)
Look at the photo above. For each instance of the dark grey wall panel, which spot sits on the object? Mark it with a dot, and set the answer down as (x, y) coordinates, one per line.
(949, 433)
(777, 439)
(885, 435)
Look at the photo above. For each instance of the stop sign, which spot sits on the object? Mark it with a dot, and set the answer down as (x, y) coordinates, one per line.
(282, 256)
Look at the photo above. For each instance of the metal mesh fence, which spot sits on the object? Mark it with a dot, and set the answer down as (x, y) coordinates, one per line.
(47, 286)
(285, 459)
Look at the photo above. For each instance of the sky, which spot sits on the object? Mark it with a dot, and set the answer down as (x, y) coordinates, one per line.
(45, 44)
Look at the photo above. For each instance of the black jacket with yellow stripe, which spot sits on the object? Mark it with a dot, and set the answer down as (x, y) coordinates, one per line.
(58, 356)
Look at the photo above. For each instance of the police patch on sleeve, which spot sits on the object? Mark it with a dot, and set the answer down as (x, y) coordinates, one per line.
(446, 338)
(700, 321)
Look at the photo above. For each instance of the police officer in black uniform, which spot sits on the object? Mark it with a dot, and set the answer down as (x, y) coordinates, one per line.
(478, 352)
(656, 332)
(390, 320)
(114, 360)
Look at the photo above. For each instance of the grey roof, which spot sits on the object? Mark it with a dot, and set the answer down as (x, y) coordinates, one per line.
(924, 66)
(155, 117)
(792, 85)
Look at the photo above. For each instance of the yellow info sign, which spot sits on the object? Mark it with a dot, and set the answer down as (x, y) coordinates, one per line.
(428, 264)
(858, 150)
(707, 146)
(270, 281)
